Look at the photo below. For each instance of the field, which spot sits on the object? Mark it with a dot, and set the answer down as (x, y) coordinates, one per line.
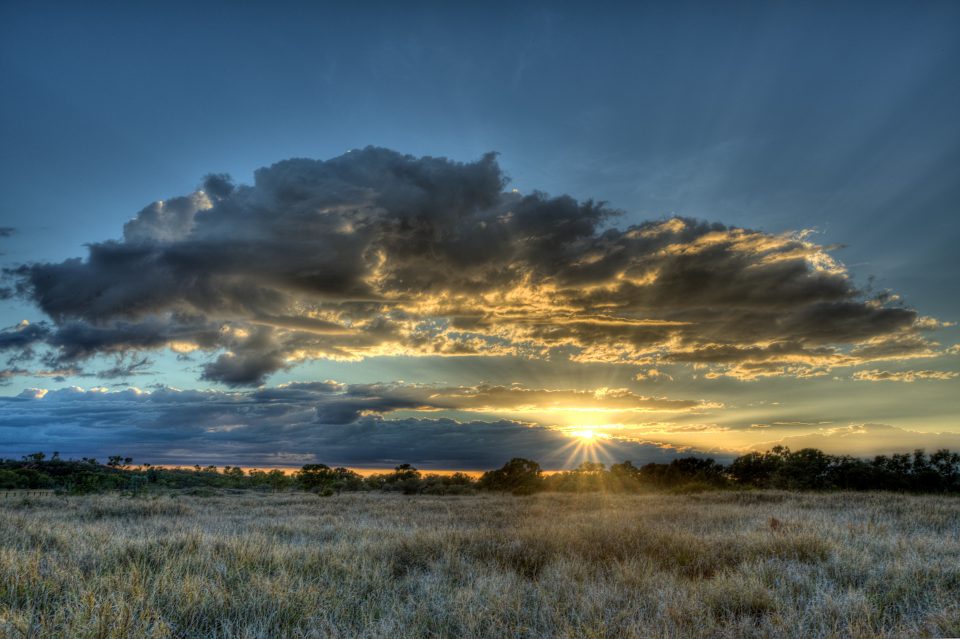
(253, 564)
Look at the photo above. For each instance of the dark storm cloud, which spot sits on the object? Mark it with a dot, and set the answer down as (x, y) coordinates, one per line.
(23, 335)
(218, 185)
(283, 424)
(378, 253)
(76, 340)
(253, 357)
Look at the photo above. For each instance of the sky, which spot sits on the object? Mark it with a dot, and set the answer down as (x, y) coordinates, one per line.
(450, 234)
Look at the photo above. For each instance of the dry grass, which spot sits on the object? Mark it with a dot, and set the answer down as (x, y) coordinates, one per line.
(373, 565)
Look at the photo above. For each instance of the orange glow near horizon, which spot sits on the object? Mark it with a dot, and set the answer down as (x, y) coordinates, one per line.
(291, 470)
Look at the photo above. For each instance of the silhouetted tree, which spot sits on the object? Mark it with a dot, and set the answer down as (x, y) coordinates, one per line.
(519, 476)
(805, 469)
(624, 477)
(119, 461)
(320, 477)
(755, 469)
(851, 473)
(313, 476)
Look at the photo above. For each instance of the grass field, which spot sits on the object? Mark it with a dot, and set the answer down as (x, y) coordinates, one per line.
(376, 565)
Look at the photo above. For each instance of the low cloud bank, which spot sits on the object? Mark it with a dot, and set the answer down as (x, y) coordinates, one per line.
(299, 423)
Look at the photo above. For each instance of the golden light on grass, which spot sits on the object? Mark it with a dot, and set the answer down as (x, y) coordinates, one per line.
(257, 564)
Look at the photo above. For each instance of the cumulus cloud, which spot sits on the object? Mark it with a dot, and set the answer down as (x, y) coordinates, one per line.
(867, 439)
(375, 253)
(876, 375)
(290, 422)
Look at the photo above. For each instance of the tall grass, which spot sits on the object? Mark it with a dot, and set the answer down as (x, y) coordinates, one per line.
(372, 565)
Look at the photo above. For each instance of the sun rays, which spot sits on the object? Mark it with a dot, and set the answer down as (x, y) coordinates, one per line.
(586, 443)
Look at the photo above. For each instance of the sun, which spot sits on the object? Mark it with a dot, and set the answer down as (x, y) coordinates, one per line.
(586, 443)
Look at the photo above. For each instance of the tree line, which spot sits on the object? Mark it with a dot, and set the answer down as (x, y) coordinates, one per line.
(779, 468)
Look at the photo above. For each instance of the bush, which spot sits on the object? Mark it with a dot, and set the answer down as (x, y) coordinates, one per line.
(520, 476)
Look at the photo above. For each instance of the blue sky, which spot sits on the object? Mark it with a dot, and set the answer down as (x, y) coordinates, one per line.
(775, 117)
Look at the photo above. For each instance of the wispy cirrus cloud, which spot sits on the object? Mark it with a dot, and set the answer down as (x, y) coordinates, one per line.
(876, 375)
(375, 253)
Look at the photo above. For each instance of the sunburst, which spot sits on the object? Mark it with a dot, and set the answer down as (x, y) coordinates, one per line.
(586, 444)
